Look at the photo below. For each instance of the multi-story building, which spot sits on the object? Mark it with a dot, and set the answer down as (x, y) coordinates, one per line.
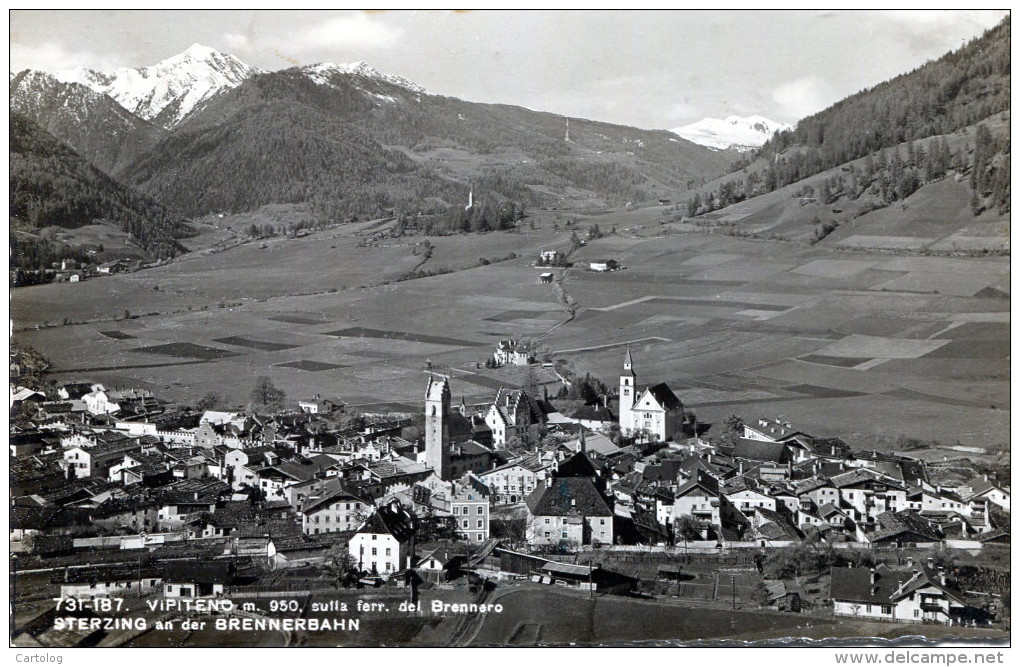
(470, 509)
(513, 482)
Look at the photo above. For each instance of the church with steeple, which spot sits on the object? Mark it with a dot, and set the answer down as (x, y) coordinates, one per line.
(652, 412)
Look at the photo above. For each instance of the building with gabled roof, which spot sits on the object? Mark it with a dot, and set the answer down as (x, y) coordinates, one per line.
(901, 529)
(869, 493)
(195, 579)
(382, 545)
(903, 596)
(469, 506)
(513, 414)
(767, 430)
(762, 451)
(334, 508)
(771, 527)
(568, 512)
(513, 352)
(700, 498)
(747, 495)
(984, 489)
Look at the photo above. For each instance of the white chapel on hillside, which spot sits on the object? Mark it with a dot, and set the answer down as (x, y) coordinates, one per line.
(651, 412)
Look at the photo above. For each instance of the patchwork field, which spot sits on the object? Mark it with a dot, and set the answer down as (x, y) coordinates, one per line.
(865, 346)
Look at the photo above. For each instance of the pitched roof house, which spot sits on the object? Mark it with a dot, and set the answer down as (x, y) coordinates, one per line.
(904, 596)
(568, 511)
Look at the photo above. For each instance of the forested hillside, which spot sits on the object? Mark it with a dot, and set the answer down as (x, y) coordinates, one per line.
(356, 146)
(50, 184)
(963, 88)
(92, 124)
(960, 89)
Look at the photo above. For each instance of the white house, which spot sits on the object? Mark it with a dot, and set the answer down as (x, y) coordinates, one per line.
(984, 489)
(98, 401)
(514, 413)
(699, 498)
(870, 493)
(903, 596)
(747, 496)
(767, 430)
(511, 483)
(318, 405)
(91, 582)
(513, 352)
(196, 579)
(603, 265)
(382, 546)
(241, 466)
(333, 509)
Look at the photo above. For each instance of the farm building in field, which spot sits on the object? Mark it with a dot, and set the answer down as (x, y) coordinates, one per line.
(546, 277)
(116, 266)
(514, 353)
(603, 265)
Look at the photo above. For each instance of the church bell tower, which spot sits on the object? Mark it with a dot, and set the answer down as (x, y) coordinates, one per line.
(628, 386)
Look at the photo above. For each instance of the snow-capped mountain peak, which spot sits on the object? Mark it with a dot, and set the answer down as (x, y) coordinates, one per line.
(169, 90)
(321, 72)
(196, 52)
(735, 132)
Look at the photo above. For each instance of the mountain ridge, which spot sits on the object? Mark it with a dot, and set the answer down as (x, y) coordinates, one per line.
(92, 123)
(165, 93)
(306, 113)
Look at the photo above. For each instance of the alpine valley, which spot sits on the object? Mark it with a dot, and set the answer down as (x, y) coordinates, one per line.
(337, 218)
(317, 357)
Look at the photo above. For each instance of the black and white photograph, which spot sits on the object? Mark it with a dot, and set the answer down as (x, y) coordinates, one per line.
(518, 328)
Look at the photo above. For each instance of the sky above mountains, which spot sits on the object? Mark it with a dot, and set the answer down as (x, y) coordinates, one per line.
(654, 70)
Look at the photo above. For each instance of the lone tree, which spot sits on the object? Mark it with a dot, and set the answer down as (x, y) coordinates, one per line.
(687, 528)
(343, 568)
(210, 401)
(266, 395)
(733, 430)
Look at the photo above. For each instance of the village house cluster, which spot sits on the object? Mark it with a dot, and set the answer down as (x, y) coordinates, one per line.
(101, 471)
(74, 271)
